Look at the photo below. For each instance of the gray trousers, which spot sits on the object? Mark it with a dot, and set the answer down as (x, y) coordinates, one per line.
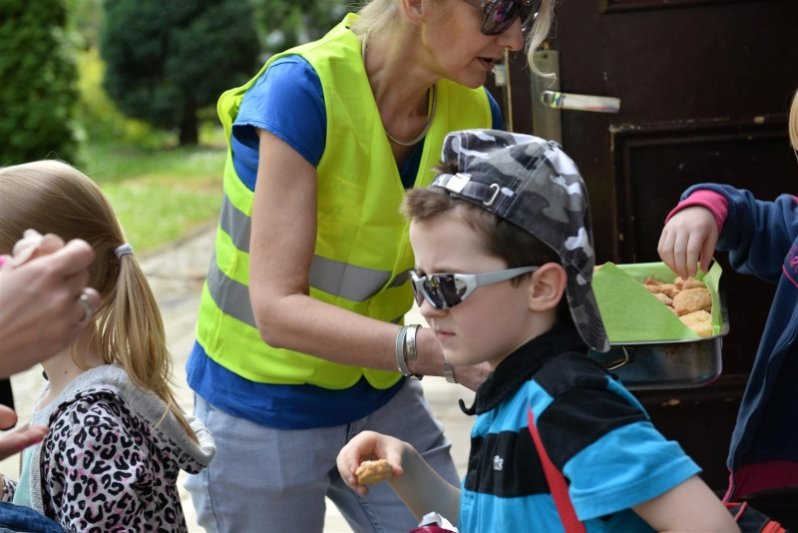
(273, 480)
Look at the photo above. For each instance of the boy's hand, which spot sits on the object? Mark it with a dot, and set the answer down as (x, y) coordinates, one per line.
(688, 240)
(368, 445)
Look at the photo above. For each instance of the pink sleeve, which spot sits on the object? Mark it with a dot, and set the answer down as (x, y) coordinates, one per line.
(717, 204)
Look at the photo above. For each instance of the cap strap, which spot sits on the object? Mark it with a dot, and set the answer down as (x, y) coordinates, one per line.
(462, 185)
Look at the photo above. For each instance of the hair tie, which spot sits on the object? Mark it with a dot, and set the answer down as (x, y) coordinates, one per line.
(123, 249)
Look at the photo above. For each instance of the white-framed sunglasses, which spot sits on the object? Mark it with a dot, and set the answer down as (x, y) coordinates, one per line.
(446, 289)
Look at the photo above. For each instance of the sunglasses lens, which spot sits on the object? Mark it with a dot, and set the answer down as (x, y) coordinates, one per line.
(501, 14)
(443, 290)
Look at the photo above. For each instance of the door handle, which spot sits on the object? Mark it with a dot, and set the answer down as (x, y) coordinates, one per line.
(580, 102)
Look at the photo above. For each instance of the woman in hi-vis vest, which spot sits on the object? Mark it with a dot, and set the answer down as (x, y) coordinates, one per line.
(300, 337)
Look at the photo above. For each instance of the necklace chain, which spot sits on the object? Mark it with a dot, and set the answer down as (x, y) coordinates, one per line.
(433, 89)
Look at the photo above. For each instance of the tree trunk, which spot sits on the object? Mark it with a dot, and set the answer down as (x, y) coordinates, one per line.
(189, 129)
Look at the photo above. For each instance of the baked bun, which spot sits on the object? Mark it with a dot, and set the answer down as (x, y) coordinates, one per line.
(371, 472)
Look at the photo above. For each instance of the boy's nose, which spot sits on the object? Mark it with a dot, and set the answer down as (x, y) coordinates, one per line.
(427, 310)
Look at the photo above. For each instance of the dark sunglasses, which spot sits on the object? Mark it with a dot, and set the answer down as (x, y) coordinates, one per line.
(498, 15)
(446, 290)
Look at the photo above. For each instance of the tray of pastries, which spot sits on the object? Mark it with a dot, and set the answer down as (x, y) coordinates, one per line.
(665, 332)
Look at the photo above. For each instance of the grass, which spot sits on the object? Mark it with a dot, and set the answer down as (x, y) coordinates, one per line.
(160, 192)
(159, 195)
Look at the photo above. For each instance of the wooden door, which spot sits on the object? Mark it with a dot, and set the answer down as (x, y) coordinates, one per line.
(704, 86)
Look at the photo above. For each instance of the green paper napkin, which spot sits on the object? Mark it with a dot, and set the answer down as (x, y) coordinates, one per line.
(632, 314)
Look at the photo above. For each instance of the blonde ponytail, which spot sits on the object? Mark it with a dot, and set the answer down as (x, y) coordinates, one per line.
(53, 197)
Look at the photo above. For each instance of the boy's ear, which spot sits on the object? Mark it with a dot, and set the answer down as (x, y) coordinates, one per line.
(548, 287)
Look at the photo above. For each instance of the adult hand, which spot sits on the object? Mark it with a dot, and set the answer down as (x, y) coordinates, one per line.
(20, 438)
(44, 303)
(688, 240)
(472, 376)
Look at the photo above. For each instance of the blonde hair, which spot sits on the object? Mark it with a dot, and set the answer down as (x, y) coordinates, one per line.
(54, 197)
(383, 16)
(792, 122)
(538, 34)
(377, 16)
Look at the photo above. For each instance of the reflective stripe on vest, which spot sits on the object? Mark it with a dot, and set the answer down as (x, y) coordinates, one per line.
(348, 281)
(362, 255)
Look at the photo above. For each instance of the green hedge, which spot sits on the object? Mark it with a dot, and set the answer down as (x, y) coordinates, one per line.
(38, 93)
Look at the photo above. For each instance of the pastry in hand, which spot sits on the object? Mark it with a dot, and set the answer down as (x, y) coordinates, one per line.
(371, 472)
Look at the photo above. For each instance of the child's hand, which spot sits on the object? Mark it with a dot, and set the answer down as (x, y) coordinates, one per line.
(688, 240)
(369, 445)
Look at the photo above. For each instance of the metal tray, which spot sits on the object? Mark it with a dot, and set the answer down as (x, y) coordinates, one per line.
(668, 364)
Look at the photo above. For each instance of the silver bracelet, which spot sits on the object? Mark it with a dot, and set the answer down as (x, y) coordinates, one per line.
(411, 354)
(406, 349)
(400, 350)
(448, 372)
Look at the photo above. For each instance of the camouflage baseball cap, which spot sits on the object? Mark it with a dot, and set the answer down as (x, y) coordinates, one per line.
(533, 184)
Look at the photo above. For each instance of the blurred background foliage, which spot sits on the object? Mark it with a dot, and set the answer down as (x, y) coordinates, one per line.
(38, 92)
(113, 86)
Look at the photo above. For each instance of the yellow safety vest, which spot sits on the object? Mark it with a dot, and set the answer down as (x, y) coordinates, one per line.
(362, 255)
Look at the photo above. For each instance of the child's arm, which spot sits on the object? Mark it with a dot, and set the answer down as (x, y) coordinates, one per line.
(757, 234)
(689, 506)
(98, 471)
(414, 481)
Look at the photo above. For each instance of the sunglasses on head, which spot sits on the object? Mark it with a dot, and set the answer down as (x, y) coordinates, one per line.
(498, 15)
(445, 290)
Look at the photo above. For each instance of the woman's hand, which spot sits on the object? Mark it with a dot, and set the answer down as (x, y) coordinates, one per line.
(688, 240)
(472, 376)
(41, 311)
(19, 439)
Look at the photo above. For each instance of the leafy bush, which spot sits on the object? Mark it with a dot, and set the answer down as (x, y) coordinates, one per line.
(100, 117)
(38, 93)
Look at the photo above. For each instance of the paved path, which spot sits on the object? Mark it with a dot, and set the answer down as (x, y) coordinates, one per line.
(176, 274)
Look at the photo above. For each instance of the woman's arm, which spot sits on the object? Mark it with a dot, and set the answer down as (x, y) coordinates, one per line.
(281, 250)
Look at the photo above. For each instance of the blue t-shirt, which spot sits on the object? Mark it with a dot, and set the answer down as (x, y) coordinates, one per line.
(288, 102)
(594, 431)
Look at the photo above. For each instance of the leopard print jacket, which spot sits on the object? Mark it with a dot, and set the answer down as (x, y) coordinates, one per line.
(109, 463)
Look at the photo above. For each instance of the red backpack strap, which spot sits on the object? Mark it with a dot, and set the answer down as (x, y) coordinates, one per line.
(557, 484)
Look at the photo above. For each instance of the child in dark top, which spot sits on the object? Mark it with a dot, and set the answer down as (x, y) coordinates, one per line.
(762, 240)
(504, 262)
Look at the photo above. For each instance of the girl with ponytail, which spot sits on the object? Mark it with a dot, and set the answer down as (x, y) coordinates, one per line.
(117, 439)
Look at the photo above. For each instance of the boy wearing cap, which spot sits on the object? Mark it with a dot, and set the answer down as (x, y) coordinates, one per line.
(504, 262)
